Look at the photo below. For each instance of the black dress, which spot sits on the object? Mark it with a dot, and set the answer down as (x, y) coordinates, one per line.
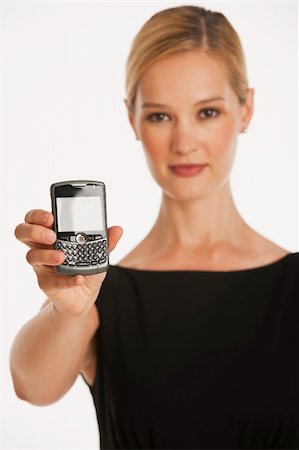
(199, 359)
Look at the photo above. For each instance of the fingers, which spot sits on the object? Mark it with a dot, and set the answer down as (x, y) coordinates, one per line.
(36, 229)
(40, 217)
(38, 257)
(114, 234)
(32, 235)
(36, 233)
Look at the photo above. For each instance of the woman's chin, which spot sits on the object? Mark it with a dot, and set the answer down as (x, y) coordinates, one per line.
(183, 188)
(185, 193)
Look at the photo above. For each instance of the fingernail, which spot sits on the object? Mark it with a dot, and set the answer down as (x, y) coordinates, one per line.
(49, 236)
(60, 256)
(45, 217)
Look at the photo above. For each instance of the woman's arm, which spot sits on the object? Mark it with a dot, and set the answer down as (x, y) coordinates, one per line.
(53, 347)
(49, 352)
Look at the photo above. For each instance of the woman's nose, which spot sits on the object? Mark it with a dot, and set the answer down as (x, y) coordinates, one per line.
(183, 139)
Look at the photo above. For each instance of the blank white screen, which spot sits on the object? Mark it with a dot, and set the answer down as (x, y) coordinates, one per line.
(80, 214)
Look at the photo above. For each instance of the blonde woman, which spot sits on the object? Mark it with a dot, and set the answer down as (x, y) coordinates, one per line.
(189, 341)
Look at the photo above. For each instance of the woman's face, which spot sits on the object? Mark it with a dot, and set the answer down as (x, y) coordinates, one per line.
(198, 121)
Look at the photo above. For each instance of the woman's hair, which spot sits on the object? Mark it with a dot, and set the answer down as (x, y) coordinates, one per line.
(186, 28)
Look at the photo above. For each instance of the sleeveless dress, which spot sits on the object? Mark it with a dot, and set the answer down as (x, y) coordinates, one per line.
(199, 359)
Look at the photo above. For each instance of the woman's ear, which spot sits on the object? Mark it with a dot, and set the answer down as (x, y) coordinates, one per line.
(131, 117)
(247, 109)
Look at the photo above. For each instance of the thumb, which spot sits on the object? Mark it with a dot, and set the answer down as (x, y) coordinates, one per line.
(114, 234)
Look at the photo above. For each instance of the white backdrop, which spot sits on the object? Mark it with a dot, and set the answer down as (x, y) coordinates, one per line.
(63, 117)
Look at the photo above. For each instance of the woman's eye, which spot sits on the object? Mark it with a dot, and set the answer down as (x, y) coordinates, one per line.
(157, 117)
(208, 113)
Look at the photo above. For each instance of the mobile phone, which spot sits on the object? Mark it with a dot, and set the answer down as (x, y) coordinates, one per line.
(80, 224)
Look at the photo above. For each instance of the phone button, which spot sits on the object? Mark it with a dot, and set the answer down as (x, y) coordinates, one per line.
(81, 238)
(83, 264)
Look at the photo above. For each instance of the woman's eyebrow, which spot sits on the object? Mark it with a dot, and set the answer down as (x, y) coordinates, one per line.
(161, 105)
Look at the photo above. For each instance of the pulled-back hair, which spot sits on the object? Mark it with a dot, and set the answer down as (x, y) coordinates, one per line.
(184, 28)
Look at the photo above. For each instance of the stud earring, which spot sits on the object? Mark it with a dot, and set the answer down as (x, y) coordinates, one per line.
(244, 130)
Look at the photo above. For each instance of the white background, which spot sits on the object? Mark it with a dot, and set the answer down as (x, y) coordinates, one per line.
(63, 117)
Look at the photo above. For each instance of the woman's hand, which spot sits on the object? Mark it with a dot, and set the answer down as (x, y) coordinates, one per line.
(71, 295)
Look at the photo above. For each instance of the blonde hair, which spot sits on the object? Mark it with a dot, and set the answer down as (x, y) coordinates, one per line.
(186, 28)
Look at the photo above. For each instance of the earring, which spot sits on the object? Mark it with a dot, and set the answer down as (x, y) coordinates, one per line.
(244, 130)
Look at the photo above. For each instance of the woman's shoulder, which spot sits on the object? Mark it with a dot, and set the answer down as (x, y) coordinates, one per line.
(260, 252)
(268, 252)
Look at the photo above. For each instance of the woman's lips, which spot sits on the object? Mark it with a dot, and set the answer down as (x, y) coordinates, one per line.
(187, 170)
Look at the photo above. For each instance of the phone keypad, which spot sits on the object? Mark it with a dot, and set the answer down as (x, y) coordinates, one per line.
(91, 253)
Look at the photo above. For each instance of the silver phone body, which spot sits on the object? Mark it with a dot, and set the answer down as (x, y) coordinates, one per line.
(80, 224)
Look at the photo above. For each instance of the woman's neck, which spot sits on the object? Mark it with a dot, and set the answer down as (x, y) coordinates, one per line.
(199, 224)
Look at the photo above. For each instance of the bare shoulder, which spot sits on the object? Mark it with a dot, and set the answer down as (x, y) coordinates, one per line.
(256, 251)
(137, 254)
(250, 249)
(266, 250)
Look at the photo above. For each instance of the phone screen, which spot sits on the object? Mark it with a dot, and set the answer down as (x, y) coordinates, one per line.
(80, 214)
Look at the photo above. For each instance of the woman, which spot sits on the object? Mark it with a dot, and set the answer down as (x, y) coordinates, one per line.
(189, 341)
